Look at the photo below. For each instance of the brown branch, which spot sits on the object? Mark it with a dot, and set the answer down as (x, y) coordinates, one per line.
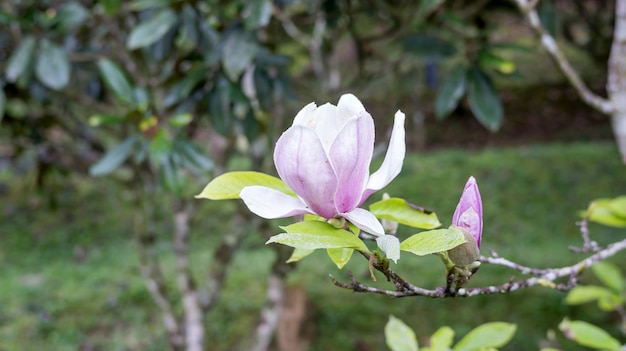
(547, 41)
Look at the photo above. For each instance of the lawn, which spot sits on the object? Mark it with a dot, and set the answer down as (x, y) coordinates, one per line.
(69, 276)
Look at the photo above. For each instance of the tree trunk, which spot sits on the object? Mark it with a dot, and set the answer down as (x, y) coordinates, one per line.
(616, 83)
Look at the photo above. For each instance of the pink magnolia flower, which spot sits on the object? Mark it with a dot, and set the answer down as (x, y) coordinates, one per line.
(324, 157)
(469, 211)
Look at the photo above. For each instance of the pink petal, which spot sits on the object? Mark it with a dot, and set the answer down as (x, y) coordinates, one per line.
(350, 155)
(392, 164)
(270, 203)
(364, 220)
(302, 164)
(469, 211)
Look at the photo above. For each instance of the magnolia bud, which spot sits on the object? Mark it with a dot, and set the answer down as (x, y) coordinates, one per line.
(466, 253)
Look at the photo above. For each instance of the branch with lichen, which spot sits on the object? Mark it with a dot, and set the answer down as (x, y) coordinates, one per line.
(456, 277)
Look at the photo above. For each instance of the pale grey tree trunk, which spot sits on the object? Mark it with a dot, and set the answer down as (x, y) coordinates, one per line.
(616, 84)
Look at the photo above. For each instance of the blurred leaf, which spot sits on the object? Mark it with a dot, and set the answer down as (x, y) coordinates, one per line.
(102, 119)
(311, 235)
(618, 206)
(610, 275)
(194, 157)
(220, 106)
(111, 7)
(390, 245)
(237, 54)
(251, 128)
(432, 241)
(442, 339)
(428, 46)
(180, 120)
(171, 179)
(427, 6)
(229, 185)
(151, 30)
(399, 336)
(589, 335)
(71, 15)
(53, 66)
(403, 212)
(299, 254)
(549, 17)
(140, 5)
(483, 100)
(116, 81)
(113, 158)
(185, 86)
(602, 211)
(450, 92)
(160, 147)
(21, 59)
(490, 60)
(3, 104)
(339, 256)
(584, 294)
(257, 13)
(263, 88)
(488, 335)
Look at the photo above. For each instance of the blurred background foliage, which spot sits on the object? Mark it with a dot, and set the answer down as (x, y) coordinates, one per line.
(162, 95)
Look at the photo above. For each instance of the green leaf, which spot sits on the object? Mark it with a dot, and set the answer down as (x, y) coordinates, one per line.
(257, 13)
(488, 335)
(549, 17)
(116, 81)
(483, 100)
(196, 160)
(140, 5)
(618, 206)
(160, 147)
(428, 46)
(53, 66)
(183, 88)
(399, 336)
(583, 294)
(299, 254)
(610, 275)
(237, 54)
(180, 120)
(450, 92)
(71, 15)
(21, 59)
(312, 235)
(102, 119)
(340, 256)
(442, 339)
(390, 246)
(403, 212)
(113, 158)
(602, 211)
(432, 241)
(589, 335)
(151, 30)
(490, 60)
(229, 185)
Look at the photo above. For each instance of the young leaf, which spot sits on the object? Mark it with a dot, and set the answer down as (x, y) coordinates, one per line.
(340, 256)
(442, 339)
(432, 241)
(403, 212)
(488, 335)
(610, 275)
(299, 254)
(20, 59)
(150, 31)
(312, 235)
(228, 185)
(450, 92)
(399, 336)
(583, 294)
(483, 100)
(53, 66)
(601, 211)
(390, 246)
(116, 81)
(618, 206)
(113, 158)
(589, 335)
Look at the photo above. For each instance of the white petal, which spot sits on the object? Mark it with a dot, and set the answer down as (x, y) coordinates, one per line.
(270, 203)
(350, 105)
(365, 220)
(306, 116)
(392, 165)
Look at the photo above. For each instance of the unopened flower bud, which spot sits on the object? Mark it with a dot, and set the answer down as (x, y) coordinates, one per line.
(466, 253)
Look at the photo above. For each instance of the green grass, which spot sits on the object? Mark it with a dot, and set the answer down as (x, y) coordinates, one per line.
(70, 276)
